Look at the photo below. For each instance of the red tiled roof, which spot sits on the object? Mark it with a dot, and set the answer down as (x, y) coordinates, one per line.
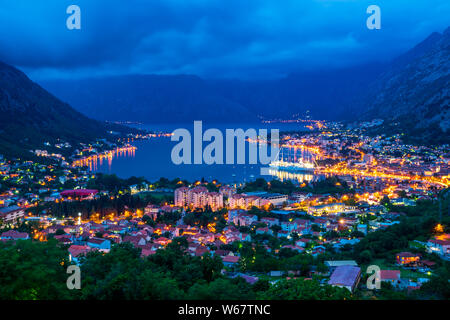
(96, 240)
(147, 252)
(15, 234)
(79, 192)
(200, 251)
(76, 250)
(428, 263)
(440, 242)
(230, 259)
(408, 254)
(390, 274)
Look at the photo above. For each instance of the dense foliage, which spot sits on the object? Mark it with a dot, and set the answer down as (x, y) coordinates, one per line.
(37, 270)
(331, 185)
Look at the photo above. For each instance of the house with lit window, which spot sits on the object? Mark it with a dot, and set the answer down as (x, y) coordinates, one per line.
(407, 258)
(391, 276)
(326, 209)
(276, 199)
(163, 241)
(440, 247)
(11, 215)
(99, 243)
(152, 211)
(244, 219)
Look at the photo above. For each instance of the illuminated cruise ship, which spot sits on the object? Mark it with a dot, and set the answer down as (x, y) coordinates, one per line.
(292, 166)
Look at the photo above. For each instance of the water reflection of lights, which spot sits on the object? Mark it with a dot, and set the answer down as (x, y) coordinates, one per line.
(293, 176)
(93, 160)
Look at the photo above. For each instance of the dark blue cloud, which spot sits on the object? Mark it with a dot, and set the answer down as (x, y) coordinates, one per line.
(212, 38)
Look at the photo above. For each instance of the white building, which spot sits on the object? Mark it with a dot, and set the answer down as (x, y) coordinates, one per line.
(11, 215)
(440, 247)
(198, 197)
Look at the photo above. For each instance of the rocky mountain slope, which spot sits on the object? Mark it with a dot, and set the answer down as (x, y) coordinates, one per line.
(31, 116)
(414, 93)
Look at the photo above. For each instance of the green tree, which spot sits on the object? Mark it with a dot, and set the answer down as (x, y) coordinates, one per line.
(300, 289)
(33, 271)
(211, 265)
(220, 289)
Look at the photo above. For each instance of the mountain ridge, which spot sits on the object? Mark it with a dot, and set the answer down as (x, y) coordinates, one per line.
(415, 92)
(32, 116)
(155, 98)
(175, 98)
(409, 92)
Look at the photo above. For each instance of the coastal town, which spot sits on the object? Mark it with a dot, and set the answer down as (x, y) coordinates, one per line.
(361, 186)
(223, 159)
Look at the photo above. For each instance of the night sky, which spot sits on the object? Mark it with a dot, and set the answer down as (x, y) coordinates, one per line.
(245, 39)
